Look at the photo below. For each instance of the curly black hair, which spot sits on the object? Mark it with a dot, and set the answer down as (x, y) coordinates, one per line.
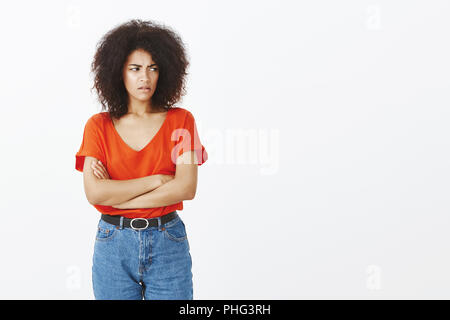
(167, 51)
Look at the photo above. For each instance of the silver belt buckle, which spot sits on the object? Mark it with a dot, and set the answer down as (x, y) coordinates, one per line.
(131, 224)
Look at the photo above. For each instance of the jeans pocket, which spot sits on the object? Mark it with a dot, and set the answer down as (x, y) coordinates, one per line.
(105, 231)
(176, 232)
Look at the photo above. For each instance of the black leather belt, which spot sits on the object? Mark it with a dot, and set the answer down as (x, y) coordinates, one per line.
(139, 223)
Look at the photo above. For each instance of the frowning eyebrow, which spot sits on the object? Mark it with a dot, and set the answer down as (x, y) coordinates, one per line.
(138, 65)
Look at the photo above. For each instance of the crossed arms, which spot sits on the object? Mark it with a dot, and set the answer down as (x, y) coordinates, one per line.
(146, 192)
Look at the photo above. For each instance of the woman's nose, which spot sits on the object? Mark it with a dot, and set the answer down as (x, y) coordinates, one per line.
(144, 80)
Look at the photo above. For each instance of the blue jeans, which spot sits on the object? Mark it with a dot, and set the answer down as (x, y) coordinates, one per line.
(154, 264)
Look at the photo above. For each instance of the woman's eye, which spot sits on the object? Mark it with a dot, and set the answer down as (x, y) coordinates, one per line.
(155, 69)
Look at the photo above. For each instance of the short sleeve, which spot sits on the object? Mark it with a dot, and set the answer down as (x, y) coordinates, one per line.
(90, 146)
(190, 140)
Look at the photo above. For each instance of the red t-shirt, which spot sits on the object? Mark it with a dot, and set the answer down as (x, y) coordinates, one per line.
(177, 135)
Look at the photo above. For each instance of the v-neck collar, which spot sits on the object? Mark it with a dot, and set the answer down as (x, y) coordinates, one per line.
(154, 137)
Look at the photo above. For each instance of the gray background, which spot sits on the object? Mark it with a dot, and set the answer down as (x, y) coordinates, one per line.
(326, 125)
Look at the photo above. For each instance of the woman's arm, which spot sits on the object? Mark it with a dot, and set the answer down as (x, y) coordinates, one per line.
(107, 192)
(117, 191)
(169, 193)
(182, 187)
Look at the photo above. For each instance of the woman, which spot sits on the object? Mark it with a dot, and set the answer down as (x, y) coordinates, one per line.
(139, 160)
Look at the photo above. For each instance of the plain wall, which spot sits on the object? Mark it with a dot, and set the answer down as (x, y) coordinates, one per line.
(327, 129)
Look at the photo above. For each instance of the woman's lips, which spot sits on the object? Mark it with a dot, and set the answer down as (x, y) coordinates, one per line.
(144, 89)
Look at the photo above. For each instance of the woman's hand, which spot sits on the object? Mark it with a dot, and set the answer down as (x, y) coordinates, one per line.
(99, 170)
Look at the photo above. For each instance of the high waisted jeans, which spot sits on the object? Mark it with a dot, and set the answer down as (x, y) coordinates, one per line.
(154, 264)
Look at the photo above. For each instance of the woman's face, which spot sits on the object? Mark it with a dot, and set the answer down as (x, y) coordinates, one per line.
(140, 75)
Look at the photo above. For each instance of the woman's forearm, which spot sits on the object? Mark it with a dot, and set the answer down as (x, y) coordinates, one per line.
(111, 192)
(167, 194)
